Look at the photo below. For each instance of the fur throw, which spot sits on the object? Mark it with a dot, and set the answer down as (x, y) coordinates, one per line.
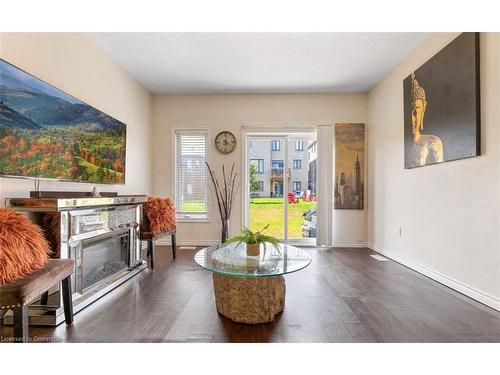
(159, 215)
(51, 224)
(23, 248)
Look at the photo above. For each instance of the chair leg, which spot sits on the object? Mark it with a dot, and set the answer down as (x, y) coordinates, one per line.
(153, 248)
(67, 300)
(44, 299)
(2, 313)
(21, 326)
(174, 247)
(151, 254)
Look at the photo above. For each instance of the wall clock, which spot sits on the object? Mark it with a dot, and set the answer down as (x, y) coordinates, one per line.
(225, 142)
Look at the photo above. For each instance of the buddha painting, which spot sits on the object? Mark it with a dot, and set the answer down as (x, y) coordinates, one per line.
(426, 148)
(441, 112)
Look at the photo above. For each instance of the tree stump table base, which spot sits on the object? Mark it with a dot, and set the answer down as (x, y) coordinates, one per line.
(250, 300)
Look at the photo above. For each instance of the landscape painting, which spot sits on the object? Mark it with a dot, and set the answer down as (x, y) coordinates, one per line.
(46, 133)
(441, 105)
(349, 166)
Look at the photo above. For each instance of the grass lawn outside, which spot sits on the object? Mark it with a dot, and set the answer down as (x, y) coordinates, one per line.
(193, 206)
(265, 211)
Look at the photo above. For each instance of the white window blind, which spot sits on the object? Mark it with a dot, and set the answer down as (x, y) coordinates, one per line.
(191, 177)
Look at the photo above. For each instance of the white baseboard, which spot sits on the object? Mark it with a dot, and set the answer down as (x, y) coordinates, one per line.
(166, 241)
(459, 286)
(355, 244)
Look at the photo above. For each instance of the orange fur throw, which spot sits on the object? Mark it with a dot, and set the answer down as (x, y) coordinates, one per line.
(23, 248)
(159, 215)
(51, 224)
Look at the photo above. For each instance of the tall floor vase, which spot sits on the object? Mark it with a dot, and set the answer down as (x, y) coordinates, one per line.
(225, 230)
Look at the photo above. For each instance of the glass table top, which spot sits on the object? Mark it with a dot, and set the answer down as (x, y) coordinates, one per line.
(231, 259)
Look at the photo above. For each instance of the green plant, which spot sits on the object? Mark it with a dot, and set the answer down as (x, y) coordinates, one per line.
(251, 237)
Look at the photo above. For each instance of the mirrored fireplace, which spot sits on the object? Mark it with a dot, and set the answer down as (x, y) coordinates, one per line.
(100, 234)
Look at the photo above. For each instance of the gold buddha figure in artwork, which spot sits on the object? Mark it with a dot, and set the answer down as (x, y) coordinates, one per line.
(426, 148)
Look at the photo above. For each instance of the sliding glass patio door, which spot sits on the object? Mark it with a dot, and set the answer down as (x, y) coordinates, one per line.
(281, 185)
(301, 188)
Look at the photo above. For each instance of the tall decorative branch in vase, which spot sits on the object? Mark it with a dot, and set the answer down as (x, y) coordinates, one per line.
(225, 189)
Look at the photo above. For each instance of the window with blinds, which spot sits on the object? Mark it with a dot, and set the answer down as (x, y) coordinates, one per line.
(191, 176)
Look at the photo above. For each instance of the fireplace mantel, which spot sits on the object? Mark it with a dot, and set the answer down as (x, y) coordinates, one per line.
(67, 204)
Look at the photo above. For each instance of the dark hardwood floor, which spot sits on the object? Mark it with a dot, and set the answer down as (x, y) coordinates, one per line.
(343, 296)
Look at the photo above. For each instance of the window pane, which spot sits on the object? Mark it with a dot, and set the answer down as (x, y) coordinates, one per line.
(258, 164)
(277, 164)
(301, 188)
(191, 174)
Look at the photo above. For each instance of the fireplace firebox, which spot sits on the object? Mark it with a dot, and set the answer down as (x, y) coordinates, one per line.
(99, 258)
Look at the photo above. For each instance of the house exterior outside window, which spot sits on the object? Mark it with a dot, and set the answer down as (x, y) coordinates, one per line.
(273, 166)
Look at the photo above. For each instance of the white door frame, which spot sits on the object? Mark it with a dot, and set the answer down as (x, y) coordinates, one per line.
(281, 133)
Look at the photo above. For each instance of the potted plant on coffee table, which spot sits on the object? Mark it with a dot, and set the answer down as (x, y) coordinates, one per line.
(254, 239)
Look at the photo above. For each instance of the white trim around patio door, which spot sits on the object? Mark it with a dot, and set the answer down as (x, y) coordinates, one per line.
(282, 133)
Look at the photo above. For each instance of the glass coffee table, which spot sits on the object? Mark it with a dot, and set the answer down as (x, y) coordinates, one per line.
(251, 289)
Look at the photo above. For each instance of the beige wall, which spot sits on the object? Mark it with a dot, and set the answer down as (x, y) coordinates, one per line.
(449, 213)
(230, 112)
(75, 64)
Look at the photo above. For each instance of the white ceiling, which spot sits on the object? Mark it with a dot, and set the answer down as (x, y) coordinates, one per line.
(179, 63)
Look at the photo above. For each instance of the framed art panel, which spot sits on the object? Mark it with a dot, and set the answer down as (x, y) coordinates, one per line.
(349, 166)
(442, 105)
(46, 133)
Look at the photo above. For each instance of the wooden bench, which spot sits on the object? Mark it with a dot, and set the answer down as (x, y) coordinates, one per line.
(18, 294)
(150, 238)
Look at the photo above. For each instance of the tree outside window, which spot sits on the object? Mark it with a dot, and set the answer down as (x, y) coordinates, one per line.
(254, 182)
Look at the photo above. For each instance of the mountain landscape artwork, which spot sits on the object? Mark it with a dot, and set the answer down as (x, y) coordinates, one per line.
(46, 133)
